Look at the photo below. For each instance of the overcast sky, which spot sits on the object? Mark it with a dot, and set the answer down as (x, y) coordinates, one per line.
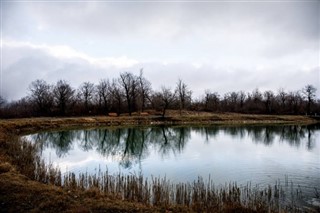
(216, 45)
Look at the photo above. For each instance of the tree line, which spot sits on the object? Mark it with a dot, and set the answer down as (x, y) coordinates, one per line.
(130, 93)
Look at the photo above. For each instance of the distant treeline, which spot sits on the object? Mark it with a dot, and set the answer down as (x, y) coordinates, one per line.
(131, 93)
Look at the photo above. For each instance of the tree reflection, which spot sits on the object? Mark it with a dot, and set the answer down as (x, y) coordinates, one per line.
(109, 141)
(60, 141)
(131, 145)
(207, 132)
(169, 139)
(311, 136)
(134, 147)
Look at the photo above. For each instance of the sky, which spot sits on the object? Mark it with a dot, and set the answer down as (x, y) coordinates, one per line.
(221, 46)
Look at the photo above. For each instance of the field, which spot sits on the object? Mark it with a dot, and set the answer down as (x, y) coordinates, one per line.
(22, 190)
(173, 117)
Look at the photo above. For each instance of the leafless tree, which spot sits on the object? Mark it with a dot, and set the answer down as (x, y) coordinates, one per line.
(184, 94)
(282, 98)
(103, 92)
(86, 93)
(41, 96)
(116, 96)
(255, 102)
(242, 99)
(129, 84)
(268, 100)
(167, 97)
(63, 96)
(256, 95)
(211, 101)
(2, 101)
(144, 87)
(2, 104)
(295, 102)
(129, 92)
(230, 101)
(309, 93)
(20, 108)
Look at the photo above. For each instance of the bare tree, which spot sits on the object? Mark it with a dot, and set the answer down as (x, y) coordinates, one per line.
(116, 96)
(86, 93)
(2, 104)
(255, 102)
(167, 97)
(211, 101)
(282, 98)
(295, 102)
(129, 84)
(41, 96)
(103, 92)
(20, 108)
(242, 99)
(144, 90)
(268, 100)
(309, 93)
(184, 94)
(63, 96)
(256, 95)
(230, 101)
(129, 93)
(2, 101)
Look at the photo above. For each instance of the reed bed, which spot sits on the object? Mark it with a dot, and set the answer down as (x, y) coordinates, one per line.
(199, 195)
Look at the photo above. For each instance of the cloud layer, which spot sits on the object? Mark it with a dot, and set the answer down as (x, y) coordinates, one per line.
(221, 46)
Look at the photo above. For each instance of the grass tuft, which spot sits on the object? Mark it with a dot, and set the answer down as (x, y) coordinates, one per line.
(5, 167)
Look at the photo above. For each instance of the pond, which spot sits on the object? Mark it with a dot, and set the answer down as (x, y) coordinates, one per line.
(259, 155)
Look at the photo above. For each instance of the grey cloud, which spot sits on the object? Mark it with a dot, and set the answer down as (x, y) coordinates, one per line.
(14, 17)
(299, 19)
(31, 64)
(267, 29)
(37, 64)
(244, 35)
(227, 80)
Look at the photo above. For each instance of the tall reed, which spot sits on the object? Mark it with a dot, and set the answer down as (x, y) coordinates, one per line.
(199, 195)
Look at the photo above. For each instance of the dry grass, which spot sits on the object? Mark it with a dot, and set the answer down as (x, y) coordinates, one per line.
(17, 126)
(28, 185)
(197, 196)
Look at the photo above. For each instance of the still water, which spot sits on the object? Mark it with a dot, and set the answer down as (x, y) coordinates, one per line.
(260, 155)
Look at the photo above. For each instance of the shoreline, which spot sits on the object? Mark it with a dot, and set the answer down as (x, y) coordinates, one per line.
(21, 125)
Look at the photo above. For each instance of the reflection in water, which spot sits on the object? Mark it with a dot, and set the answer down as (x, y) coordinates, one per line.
(60, 141)
(131, 144)
(134, 144)
(261, 155)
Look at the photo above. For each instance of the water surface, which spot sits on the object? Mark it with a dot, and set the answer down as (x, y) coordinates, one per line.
(257, 154)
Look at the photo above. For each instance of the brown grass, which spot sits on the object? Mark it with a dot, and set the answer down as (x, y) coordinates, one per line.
(25, 125)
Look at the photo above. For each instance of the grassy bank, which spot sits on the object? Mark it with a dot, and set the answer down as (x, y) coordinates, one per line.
(20, 126)
(27, 184)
